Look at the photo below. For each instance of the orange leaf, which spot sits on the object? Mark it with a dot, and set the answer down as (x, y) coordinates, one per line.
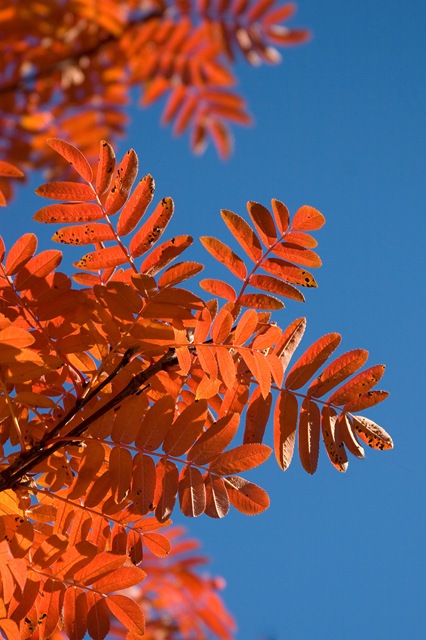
(120, 469)
(121, 578)
(76, 159)
(225, 255)
(207, 360)
(217, 500)
(102, 565)
(260, 301)
(246, 327)
(300, 255)
(36, 268)
(281, 215)
(158, 545)
(309, 433)
(179, 273)
(102, 259)
(246, 496)
(244, 234)
(370, 433)
(185, 429)
(241, 458)
(273, 285)
(289, 272)
(226, 366)
(156, 423)
(9, 170)
(128, 612)
(348, 437)
(222, 326)
(136, 205)
(311, 360)
(290, 340)
(50, 550)
(98, 623)
(301, 239)
(214, 440)
(307, 218)
(263, 222)
(143, 484)
(284, 12)
(75, 613)
(16, 337)
(162, 255)
(69, 212)
(207, 388)
(153, 228)
(66, 191)
(123, 180)
(166, 487)
(106, 166)
(369, 399)
(219, 288)
(337, 371)
(84, 234)
(257, 417)
(332, 440)
(358, 385)
(285, 422)
(192, 492)
(19, 254)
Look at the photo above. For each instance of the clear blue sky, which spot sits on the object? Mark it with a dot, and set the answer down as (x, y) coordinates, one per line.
(340, 125)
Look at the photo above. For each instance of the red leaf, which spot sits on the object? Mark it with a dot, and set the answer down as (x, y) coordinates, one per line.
(241, 458)
(369, 399)
(332, 440)
(179, 273)
(75, 613)
(70, 212)
(76, 159)
(128, 612)
(153, 228)
(156, 423)
(263, 222)
(246, 327)
(348, 437)
(358, 385)
(9, 170)
(273, 285)
(309, 433)
(166, 488)
(102, 259)
(136, 205)
(158, 545)
(370, 433)
(222, 326)
(311, 360)
(66, 191)
(101, 566)
(36, 268)
(225, 255)
(337, 371)
(192, 492)
(300, 255)
(84, 234)
(120, 469)
(260, 301)
(301, 239)
(123, 180)
(246, 496)
(106, 166)
(219, 288)
(285, 422)
(19, 254)
(307, 219)
(121, 578)
(217, 500)
(281, 215)
(289, 272)
(214, 440)
(244, 234)
(162, 255)
(186, 429)
(257, 415)
(143, 484)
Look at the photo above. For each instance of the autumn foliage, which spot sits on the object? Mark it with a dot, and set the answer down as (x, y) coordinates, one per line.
(135, 386)
(123, 394)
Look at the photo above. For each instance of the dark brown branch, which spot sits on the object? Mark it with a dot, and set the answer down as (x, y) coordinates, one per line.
(29, 459)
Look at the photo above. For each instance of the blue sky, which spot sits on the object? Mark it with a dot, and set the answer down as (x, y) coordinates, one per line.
(340, 125)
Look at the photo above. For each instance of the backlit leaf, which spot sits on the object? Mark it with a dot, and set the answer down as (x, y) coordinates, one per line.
(285, 423)
(292, 253)
(370, 433)
(136, 205)
(75, 158)
(69, 212)
(260, 301)
(66, 191)
(369, 399)
(244, 234)
(225, 255)
(311, 360)
(274, 285)
(40, 266)
(192, 492)
(84, 234)
(337, 371)
(179, 273)
(241, 458)
(263, 222)
(123, 180)
(153, 228)
(347, 435)
(281, 215)
(358, 385)
(166, 487)
(290, 340)
(217, 500)
(219, 288)
(332, 440)
(106, 166)
(307, 218)
(128, 612)
(186, 429)
(246, 496)
(309, 433)
(289, 272)
(214, 440)
(257, 415)
(102, 259)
